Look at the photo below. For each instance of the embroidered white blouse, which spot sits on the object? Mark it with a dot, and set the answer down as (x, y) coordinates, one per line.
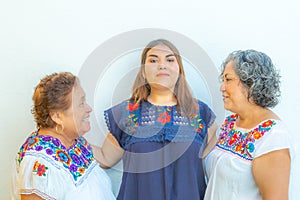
(229, 165)
(48, 169)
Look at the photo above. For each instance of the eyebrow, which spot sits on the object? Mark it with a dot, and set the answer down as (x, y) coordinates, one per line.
(153, 55)
(225, 75)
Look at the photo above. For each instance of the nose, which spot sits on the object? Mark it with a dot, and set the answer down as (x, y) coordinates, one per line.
(162, 65)
(222, 87)
(89, 108)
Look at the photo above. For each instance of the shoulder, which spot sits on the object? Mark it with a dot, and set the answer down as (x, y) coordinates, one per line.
(272, 135)
(121, 110)
(84, 142)
(276, 127)
(205, 112)
(31, 141)
(128, 104)
(39, 174)
(201, 105)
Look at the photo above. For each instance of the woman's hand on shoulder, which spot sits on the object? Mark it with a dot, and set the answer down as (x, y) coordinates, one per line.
(30, 197)
(110, 153)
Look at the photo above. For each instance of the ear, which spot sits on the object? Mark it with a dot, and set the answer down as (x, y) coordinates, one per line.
(56, 117)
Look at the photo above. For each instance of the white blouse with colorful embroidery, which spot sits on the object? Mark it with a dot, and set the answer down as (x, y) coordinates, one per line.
(229, 165)
(44, 166)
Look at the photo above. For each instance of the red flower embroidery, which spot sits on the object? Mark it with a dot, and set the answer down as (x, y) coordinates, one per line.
(132, 106)
(231, 125)
(233, 139)
(238, 148)
(164, 117)
(257, 135)
(39, 169)
(234, 116)
(200, 127)
(267, 123)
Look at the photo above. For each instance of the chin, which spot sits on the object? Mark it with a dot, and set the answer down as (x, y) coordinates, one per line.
(229, 108)
(83, 131)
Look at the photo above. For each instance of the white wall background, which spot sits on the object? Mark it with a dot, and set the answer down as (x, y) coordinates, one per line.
(38, 37)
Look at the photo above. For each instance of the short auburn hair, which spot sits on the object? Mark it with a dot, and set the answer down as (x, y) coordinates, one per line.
(50, 95)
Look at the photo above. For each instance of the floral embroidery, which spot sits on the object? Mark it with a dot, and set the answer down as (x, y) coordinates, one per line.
(160, 114)
(39, 169)
(267, 123)
(196, 121)
(241, 143)
(131, 106)
(131, 122)
(63, 156)
(76, 159)
(164, 117)
(132, 119)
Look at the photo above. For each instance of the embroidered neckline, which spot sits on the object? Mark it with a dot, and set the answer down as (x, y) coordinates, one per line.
(162, 115)
(241, 143)
(75, 159)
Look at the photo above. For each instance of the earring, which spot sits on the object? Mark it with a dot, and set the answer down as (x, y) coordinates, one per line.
(62, 128)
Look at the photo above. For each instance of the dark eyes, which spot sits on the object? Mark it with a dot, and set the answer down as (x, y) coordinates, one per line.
(226, 79)
(170, 60)
(153, 60)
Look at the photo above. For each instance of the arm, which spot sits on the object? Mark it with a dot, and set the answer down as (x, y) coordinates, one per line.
(30, 197)
(271, 173)
(110, 153)
(211, 139)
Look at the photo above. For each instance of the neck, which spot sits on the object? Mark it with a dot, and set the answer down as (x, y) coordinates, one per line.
(64, 139)
(253, 115)
(162, 98)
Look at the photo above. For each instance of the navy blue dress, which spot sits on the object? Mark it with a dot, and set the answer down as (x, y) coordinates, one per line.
(162, 159)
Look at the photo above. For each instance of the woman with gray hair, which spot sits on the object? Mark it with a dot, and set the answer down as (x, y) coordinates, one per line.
(252, 156)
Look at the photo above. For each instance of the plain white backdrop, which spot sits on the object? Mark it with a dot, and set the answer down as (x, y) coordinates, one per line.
(39, 37)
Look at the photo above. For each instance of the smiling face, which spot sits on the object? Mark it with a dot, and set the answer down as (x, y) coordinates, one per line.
(76, 118)
(233, 92)
(161, 68)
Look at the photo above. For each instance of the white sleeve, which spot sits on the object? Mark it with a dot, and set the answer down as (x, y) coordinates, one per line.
(32, 177)
(275, 139)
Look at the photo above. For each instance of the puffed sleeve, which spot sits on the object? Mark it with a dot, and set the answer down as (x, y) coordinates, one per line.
(277, 138)
(31, 177)
(206, 114)
(114, 118)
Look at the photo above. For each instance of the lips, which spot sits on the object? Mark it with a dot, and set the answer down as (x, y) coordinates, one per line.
(162, 74)
(87, 119)
(224, 97)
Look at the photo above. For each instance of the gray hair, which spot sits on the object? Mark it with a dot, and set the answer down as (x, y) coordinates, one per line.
(258, 74)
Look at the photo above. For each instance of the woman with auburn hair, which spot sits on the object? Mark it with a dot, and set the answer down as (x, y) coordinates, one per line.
(160, 132)
(56, 162)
